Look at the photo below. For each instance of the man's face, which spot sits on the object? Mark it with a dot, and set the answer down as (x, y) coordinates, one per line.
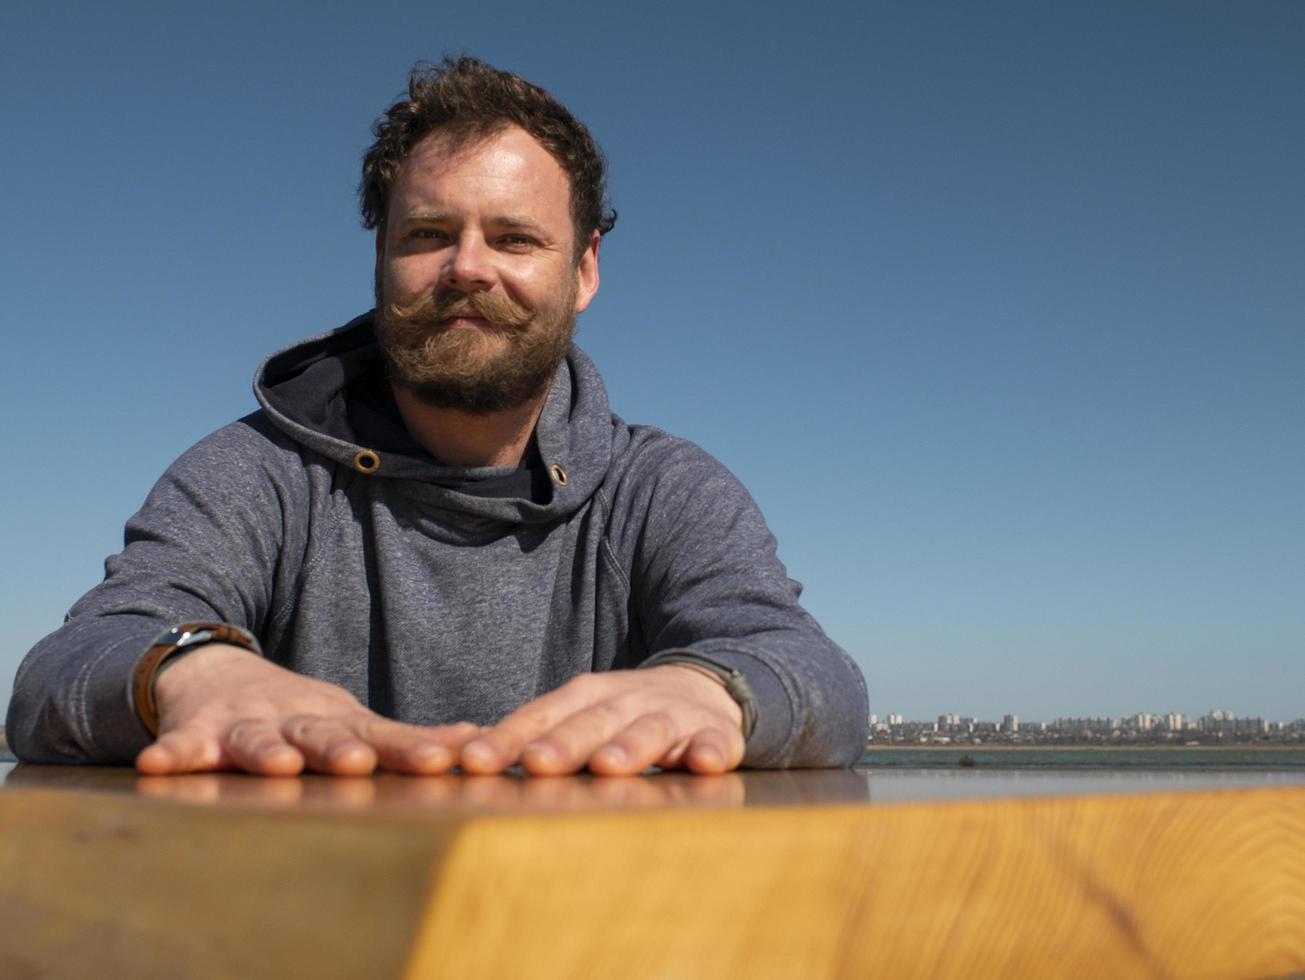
(477, 285)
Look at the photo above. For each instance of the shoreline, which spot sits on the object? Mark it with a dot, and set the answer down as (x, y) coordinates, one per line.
(1091, 747)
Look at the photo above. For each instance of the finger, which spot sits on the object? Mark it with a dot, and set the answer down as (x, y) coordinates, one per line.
(417, 750)
(329, 745)
(180, 750)
(566, 747)
(712, 751)
(256, 746)
(641, 744)
(501, 746)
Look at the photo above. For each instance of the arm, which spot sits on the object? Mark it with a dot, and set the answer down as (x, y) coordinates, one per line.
(706, 580)
(216, 539)
(705, 583)
(201, 549)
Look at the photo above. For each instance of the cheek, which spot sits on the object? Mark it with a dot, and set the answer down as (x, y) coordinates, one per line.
(406, 276)
(542, 287)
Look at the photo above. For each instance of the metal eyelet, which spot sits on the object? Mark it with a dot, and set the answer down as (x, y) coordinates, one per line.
(559, 474)
(366, 461)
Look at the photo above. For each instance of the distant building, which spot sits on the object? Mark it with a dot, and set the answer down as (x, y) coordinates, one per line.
(1010, 723)
(1223, 723)
(1079, 727)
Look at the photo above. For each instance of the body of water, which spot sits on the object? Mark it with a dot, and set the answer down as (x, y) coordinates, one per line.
(1209, 758)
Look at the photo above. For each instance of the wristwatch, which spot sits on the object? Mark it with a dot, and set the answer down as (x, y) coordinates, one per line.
(168, 645)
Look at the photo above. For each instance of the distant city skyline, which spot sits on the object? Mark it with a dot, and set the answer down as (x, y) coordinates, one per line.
(1142, 729)
(1217, 713)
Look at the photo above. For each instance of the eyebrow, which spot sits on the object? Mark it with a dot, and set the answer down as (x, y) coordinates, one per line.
(423, 215)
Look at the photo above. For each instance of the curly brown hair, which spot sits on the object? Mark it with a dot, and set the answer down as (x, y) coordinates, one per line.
(467, 100)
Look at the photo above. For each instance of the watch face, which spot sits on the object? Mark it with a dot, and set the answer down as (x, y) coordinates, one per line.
(186, 636)
(193, 634)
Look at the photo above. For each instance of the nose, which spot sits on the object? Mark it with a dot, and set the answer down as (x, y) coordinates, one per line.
(468, 265)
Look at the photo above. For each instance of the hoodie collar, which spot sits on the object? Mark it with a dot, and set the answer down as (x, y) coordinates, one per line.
(329, 394)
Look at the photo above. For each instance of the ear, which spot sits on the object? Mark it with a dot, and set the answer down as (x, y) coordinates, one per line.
(586, 274)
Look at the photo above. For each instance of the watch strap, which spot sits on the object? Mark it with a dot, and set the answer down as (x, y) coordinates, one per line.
(736, 685)
(166, 646)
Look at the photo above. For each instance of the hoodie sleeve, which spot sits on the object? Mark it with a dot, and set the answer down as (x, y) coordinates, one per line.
(203, 548)
(706, 580)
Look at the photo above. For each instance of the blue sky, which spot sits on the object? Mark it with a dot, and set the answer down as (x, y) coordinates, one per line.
(997, 309)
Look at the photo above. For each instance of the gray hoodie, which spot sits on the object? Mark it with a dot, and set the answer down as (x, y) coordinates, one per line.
(437, 594)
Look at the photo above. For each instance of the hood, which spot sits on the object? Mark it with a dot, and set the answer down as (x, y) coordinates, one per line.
(330, 394)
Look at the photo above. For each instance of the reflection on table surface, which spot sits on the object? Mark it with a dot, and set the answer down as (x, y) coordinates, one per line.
(460, 793)
(457, 793)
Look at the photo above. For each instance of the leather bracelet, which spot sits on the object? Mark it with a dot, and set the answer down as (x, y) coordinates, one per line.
(169, 643)
(736, 685)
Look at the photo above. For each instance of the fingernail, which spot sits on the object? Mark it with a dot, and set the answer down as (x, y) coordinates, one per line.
(347, 750)
(710, 757)
(478, 754)
(613, 754)
(540, 752)
(430, 755)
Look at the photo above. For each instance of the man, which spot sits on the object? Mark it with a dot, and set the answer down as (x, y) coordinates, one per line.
(435, 545)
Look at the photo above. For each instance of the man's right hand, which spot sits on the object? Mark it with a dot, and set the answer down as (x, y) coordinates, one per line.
(221, 707)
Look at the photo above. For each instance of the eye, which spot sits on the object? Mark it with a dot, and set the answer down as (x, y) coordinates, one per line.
(517, 242)
(428, 236)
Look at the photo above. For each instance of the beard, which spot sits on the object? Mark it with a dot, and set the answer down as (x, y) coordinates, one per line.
(479, 370)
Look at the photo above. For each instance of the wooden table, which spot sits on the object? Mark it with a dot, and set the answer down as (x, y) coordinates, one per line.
(801, 874)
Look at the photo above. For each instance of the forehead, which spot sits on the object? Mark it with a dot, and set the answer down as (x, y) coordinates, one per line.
(509, 167)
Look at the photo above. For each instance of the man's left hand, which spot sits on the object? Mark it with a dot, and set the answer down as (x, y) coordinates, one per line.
(618, 723)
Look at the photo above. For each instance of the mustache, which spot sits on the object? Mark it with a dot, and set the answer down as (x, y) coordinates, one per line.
(434, 309)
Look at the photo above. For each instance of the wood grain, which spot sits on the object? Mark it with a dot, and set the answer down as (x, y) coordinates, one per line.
(1173, 885)
(1177, 885)
(101, 886)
